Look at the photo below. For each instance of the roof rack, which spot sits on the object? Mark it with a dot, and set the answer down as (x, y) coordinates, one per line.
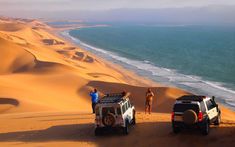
(114, 97)
(191, 98)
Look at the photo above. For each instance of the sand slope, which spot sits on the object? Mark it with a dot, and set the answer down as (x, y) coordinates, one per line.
(44, 86)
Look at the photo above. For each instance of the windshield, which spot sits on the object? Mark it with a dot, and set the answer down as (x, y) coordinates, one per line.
(184, 107)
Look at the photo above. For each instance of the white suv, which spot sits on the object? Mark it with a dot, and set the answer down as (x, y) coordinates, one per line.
(192, 111)
(114, 111)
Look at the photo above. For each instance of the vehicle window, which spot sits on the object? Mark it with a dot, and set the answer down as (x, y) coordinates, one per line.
(184, 107)
(213, 103)
(119, 111)
(126, 106)
(129, 104)
(203, 107)
(209, 105)
(106, 110)
(123, 109)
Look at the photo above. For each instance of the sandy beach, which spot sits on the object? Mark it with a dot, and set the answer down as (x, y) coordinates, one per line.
(44, 101)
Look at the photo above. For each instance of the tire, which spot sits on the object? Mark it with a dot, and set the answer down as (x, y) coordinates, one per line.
(190, 117)
(98, 131)
(218, 120)
(109, 120)
(176, 130)
(134, 119)
(205, 128)
(126, 128)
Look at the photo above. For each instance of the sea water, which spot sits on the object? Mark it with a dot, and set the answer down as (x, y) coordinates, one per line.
(200, 59)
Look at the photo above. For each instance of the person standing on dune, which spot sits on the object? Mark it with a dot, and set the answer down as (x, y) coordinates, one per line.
(149, 101)
(94, 99)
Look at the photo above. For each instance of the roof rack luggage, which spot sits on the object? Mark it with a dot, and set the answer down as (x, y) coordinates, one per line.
(114, 97)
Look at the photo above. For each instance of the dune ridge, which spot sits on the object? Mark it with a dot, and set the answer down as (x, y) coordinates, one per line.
(45, 81)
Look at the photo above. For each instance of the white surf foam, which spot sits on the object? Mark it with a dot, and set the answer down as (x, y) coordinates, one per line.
(164, 75)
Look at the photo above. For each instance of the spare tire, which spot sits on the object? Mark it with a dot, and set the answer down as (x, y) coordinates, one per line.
(190, 117)
(109, 120)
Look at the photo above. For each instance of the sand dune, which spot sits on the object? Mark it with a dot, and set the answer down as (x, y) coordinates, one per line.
(14, 58)
(44, 86)
(52, 42)
(11, 27)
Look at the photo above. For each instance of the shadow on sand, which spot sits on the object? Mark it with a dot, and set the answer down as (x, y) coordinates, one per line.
(54, 115)
(143, 134)
(9, 101)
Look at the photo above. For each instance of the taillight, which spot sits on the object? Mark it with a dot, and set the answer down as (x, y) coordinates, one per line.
(200, 116)
(172, 116)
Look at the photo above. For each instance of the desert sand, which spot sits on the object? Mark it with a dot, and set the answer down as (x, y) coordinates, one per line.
(44, 86)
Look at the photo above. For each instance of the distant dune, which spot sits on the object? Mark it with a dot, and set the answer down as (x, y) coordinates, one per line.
(44, 86)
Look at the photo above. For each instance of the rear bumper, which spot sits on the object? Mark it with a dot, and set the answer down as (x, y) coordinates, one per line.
(186, 126)
(116, 126)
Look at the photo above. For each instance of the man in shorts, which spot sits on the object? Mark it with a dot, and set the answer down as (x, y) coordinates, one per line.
(149, 101)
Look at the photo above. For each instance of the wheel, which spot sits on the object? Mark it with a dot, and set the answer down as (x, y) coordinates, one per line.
(176, 130)
(134, 119)
(98, 131)
(126, 128)
(218, 120)
(205, 128)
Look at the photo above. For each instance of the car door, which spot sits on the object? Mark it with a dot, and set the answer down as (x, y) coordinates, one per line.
(130, 112)
(211, 109)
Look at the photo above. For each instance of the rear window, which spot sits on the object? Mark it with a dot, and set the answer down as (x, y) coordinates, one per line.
(106, 110)
(210, 105)
(203, 108)
(123, 109)
(119, 111)
(184, 107)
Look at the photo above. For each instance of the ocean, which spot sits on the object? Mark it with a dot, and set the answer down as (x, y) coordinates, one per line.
(199, 59)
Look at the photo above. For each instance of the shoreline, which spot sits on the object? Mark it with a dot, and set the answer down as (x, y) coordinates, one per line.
(128, 73)
(45, 83)
(65, 34)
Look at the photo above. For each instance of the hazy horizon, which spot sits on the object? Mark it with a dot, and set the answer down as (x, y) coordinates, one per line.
(53, 5)
(135, 11)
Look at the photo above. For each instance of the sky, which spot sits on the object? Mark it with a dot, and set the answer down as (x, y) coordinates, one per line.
(56, 5)
(139, 11)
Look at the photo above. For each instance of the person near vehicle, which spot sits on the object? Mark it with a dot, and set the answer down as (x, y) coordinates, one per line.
(149, 101)
(124, 93)
(94, 99)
